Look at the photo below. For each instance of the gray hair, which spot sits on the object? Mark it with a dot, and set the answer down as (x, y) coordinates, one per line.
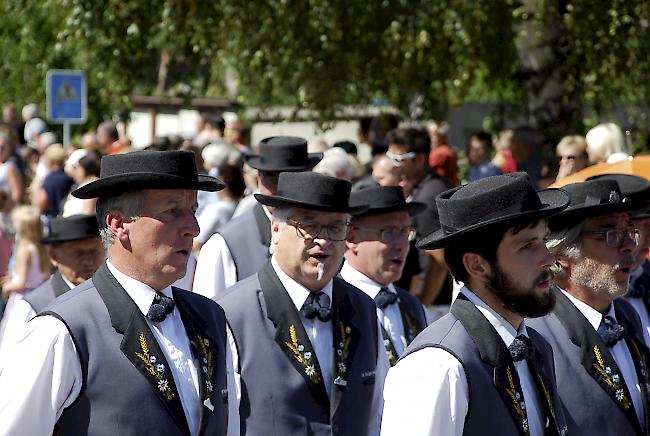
(129, 203)
(565, 242)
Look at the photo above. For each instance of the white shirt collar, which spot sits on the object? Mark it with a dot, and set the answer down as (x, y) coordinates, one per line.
(67, 282)
(141, 294)
(593, 316)
(505, 330)
(361, 281)
(297, 292)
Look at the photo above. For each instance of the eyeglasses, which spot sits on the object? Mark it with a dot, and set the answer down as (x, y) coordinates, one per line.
(391, 234)
(616, 237)
(311, 230)
(398, 159)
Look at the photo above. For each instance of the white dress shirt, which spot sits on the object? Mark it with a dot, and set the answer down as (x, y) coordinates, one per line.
(17, 319)
(620, 353)
(41, 374)
(389, 317)
(320, 336)
(426, 393)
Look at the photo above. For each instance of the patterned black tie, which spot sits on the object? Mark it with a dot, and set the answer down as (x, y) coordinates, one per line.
(161, 307)
(385, 298)
(610, 331)
(521, 348)
(317, 304)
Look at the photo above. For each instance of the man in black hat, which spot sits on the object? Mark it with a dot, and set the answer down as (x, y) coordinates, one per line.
(377, 249)
(601, 361)
(241, 247)
(124, 352)
(480, 370)
(306, 342)
(75, 249)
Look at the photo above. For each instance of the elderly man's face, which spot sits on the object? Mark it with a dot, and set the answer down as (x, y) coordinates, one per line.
(378, 245)
(78, 260)
(310, 260)
(604, 269)
(161, 237)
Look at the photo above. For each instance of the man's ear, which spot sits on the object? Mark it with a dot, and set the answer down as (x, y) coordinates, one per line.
(53, 255)
(118, 224)
(275, 230)
(477, 267)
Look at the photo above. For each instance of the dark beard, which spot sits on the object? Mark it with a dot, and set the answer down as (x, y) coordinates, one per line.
(521, 300)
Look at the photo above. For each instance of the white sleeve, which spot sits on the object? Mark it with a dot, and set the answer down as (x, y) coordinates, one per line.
(383, 365)
(234, 384)
(14, 324)
(215, 269)
(40, 376)
(426, 393)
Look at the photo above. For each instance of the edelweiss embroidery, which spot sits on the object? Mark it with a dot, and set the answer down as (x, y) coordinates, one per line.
(342, 350)
(157, 371)
(517, 400)
(613, 380)
(207, 367)
(303, 358)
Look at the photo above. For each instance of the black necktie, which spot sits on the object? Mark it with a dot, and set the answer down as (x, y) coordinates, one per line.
(317, 304)
(610, 331)
(385, 298)
(521, 348)
(161, 307)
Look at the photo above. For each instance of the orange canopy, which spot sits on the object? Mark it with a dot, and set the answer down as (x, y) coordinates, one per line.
(638, 166)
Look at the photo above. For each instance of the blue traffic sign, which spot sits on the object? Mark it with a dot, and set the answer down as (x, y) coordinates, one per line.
(66, 96)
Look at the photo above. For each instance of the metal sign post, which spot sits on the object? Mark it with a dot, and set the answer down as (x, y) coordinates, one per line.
(67, 99)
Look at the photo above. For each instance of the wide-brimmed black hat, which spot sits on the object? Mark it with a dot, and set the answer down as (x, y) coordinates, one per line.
(590, 199)
(313, 191)
(498, 200)
(635, 187)
(283, 153)
(148, 170)
(72, 228)
(384, 199)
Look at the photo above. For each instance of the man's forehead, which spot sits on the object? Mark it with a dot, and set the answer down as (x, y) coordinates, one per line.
(307, 214)
(607, 220)
(398, 217)
(170, 194)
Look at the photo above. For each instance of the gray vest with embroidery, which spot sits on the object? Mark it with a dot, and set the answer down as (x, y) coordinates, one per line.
(487, 414)
(248, 240)
(276, 399)
(43, 295)
(112, 337)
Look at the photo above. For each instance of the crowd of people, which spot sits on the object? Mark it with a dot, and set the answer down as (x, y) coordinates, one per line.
(391, 285)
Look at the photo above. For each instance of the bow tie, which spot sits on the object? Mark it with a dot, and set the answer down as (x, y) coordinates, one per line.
(385, 298)
(521, 348)
(610, 331)
(317, 304)
(161, 307)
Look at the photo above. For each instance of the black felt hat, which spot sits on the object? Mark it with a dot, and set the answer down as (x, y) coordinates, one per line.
(313, 191)
(72, 228)
(635, 187)
(148, 170)
(592, 198)
(283, 153)
(384, 199)
(498, 200)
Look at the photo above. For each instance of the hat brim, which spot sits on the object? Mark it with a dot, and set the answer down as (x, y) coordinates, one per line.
(570, 217)
(279, 201)
(255, 162)
(62, 239)
(554, 200)
(113, 185)
(413, 208)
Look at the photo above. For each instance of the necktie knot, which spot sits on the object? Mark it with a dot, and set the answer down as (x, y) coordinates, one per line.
(317, 305)
(521, 348)
(161, 307)
(610, 331)
(385, 298)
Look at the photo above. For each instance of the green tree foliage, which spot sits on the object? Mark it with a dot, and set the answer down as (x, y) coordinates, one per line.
(550, 59)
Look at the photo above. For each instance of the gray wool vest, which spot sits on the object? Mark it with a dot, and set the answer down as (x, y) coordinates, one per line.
(281, 395)
(414, 308)
(468, 336)
(128, 387)
(43, 295)
(248, 237)
(581, 385)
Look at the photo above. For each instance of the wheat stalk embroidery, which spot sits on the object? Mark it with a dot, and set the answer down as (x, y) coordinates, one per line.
(207, 367)
(303, 357)
(517, 400)
(157, 370)
(612, 380)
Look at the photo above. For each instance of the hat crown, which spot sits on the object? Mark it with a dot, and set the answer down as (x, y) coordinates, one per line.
(315, 188)
(72, 228)
(630, 185)
(594, 192)
(178, 163)
(486, 199)
(283, 153)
